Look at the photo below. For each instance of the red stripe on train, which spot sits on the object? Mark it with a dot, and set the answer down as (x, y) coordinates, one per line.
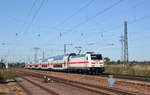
(78, 62)
(64, 63)
(97, 63)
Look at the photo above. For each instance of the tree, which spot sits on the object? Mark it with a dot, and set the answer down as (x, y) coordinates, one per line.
(107, 59)
(2, 65)
(118, 61)
(16, 65)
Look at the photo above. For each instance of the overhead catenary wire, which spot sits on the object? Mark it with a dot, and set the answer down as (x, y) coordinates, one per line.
(139, 3)
(90, 18)
(32, 7)
(99, 13)
(34, 16)
(133, 21)
(118, 26)
(84, 22)
(28, 14)
(75, 13)
(129, 22)
(139, 19)
(134, 6)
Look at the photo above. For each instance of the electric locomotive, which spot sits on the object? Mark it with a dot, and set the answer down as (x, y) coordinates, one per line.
(82, 63)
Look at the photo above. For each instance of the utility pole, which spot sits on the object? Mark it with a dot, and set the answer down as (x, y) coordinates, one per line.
(65, 48)
(36, 52)
(122, 52)
(29, 59)
(43, 54)
(125, 43)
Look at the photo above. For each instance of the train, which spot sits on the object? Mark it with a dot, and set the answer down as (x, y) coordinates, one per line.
(89, 62)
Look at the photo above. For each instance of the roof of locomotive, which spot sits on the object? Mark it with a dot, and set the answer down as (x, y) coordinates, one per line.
(58, 57)
(80, 55)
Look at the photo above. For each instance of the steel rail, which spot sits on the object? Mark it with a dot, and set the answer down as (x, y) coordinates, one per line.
(42, 87)
(71, 82)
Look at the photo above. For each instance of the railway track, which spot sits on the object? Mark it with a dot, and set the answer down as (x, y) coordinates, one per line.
(26, 90)
(120, 76)
(35, 84)
(42, 87)
(93, 88)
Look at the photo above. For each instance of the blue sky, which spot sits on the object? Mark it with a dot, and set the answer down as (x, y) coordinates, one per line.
(104, 29)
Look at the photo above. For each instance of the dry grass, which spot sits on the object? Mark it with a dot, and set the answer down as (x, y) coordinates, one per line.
(132, 69)
(3, 93)
(6, 74)
(141, 68)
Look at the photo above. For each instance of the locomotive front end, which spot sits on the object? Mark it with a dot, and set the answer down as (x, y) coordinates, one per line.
(96, 63)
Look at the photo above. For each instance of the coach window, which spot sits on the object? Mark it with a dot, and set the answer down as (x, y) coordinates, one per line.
(86, 58)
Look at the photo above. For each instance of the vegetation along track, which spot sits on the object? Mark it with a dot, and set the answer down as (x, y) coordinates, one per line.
(129, 77)
(104, 89)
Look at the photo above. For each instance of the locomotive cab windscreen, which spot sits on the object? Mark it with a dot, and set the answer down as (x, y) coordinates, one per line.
(97, 60)
(96, 57)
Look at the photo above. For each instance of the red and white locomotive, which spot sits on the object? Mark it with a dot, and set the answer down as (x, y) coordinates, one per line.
(83, 63)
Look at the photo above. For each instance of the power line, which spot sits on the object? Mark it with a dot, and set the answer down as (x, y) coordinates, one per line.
(130, 22)
(136, 5)
(33, 5)
(90, 18)
(16, 19)
(75, 13)
(29, 13)
(35, 14)
(99, 13)
(139, 19)
(119, 26)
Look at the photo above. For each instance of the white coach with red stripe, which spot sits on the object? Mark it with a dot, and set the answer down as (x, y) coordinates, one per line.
(88, 62)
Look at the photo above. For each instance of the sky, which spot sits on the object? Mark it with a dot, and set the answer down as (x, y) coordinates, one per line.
(94, 25)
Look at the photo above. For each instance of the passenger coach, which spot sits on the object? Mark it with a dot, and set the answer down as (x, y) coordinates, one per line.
(83, 63)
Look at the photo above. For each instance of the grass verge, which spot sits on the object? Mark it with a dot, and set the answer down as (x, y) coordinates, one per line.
(129, 69)
(3, 93)
(6, 74)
